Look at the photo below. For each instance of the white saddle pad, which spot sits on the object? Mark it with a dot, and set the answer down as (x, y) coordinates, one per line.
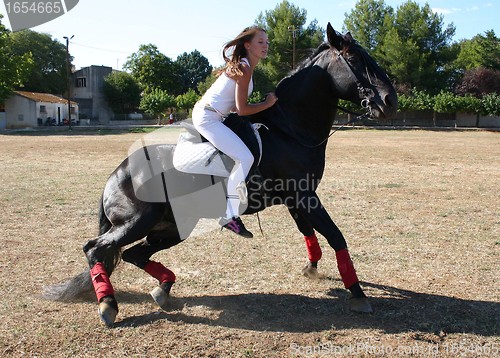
(196, 157)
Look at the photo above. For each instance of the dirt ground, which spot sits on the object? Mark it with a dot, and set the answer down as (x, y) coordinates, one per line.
(420, 211)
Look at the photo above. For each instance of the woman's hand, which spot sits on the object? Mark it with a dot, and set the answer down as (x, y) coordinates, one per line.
(270, 99)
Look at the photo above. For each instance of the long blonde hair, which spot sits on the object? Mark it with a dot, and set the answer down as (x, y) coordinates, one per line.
(235, 50)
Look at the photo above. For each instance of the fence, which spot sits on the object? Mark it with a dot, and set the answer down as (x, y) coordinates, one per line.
(428, 118)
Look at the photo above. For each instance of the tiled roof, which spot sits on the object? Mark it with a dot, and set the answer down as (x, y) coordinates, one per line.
(43, 97)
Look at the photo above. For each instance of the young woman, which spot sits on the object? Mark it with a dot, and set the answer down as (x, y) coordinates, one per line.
(230, 93)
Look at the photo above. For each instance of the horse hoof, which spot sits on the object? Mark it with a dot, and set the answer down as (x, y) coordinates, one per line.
(312, 273)
(107, 313)
(160, 297)
(360, 305)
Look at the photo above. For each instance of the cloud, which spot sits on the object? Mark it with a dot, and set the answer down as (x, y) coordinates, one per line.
(446, 11)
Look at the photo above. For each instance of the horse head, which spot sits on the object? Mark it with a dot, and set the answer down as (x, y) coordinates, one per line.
(338, 69)
(356, 75)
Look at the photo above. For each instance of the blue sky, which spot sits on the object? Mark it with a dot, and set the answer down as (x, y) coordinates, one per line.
(108, 31)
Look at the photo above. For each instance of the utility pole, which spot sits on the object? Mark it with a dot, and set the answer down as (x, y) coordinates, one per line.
(293, 30)
(68, 69)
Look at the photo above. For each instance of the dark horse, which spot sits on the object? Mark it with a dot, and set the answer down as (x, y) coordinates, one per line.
(293, 151)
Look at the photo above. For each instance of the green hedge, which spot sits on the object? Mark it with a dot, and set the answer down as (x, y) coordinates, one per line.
(447, 102)
(490, 104)
(416, 101)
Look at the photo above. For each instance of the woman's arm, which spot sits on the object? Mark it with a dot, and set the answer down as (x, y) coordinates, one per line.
(243, 108)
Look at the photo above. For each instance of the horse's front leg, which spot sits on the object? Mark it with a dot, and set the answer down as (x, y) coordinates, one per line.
(314, 252)
(309, 206)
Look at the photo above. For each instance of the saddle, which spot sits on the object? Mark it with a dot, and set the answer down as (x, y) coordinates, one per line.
(196, 155)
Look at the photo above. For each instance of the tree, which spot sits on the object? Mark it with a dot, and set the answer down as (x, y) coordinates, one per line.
(480, 51)
(192, 68)
(153, 70)
(187, 100)
(415, 51)
(490, 47)
(122, 92)
(410, 44)
(366, 23)
(156, 102)
(49, 70)
(279, 24)
(403, 61)
(479, 82)
(469, 55)
(13, 68)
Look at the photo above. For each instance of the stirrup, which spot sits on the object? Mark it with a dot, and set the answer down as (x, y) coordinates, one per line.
(242, 191)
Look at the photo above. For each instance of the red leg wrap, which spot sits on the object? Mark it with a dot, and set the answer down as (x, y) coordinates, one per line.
(313, 249)
(160, 272)
(346, 268)
(101, 282)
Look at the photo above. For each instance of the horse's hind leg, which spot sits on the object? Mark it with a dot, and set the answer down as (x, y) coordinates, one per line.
(103, 255)
(140, 254)
(314, 252)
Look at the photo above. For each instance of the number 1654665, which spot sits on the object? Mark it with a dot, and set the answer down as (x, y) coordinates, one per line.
(39, 7)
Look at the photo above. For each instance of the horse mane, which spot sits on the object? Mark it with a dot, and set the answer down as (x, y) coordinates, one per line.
(307, 62)
(311, 58)
(303, 65)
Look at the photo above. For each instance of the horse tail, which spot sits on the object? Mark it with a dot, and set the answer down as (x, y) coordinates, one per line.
(80, 287)
(76, 288)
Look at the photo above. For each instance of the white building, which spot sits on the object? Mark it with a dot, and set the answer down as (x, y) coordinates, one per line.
(31, 109)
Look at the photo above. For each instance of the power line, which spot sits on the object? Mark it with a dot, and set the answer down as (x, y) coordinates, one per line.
(128, 53)
(99, 49)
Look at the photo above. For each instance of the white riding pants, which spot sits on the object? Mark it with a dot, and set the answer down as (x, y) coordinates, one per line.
(209, 125)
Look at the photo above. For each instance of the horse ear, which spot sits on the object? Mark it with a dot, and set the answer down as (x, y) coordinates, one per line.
(333, 38)
(349, 37)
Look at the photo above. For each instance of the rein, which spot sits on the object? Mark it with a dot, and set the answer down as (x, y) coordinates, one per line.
(358, 118)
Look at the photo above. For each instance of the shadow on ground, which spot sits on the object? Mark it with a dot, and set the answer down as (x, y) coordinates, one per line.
(396, 311)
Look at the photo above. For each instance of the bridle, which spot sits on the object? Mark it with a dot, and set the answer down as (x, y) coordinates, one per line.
(364, 92)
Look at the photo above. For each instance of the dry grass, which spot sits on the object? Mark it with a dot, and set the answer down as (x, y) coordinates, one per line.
(420, 211)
